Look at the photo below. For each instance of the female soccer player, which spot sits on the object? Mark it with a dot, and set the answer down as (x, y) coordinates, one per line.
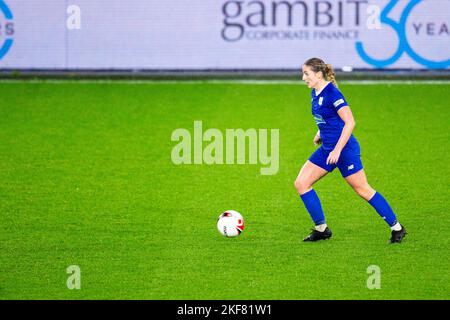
(339, 149)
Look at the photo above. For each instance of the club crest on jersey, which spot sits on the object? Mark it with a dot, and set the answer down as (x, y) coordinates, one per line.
(319, 119)
(320, 101)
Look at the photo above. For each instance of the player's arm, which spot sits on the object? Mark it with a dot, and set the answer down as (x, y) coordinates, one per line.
(317, 139)
(347, 116)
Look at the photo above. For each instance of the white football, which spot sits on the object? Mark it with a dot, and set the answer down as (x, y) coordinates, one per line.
(230, 223)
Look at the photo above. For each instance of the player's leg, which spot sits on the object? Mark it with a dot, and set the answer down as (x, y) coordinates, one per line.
(358, 181)
(309, 174)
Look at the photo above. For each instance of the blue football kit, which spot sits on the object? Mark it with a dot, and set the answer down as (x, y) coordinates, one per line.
(325, 106)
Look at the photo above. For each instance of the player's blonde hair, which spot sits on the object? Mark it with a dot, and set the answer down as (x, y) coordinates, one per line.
(318, 65)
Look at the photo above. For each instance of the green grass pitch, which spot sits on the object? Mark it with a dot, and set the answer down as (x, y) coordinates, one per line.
(87, 179)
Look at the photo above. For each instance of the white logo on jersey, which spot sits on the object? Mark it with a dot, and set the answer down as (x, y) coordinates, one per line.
(319, 119)
(320, 101)
(338, 102)
(350, 167)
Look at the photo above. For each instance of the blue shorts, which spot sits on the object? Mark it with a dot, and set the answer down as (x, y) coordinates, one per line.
(349, 161)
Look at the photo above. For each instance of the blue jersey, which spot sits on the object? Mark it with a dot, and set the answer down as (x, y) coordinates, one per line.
(325, 106)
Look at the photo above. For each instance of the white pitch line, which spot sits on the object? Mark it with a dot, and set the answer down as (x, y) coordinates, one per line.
(250, 82)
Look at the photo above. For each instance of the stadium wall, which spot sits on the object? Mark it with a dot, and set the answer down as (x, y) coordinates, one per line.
(222, 37)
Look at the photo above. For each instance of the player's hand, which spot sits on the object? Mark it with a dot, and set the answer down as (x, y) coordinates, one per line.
(333, 157)
(317, 140)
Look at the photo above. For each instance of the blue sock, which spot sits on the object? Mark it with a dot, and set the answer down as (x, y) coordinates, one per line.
(312, 204)
(384, 210)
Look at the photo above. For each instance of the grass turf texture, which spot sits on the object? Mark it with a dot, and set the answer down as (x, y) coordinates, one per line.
(87, 179)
